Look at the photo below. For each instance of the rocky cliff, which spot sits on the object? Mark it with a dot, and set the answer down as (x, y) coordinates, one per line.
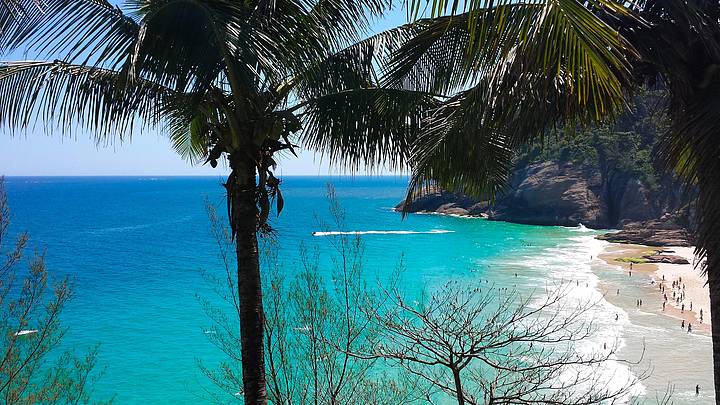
(604, 176)
(566, 194)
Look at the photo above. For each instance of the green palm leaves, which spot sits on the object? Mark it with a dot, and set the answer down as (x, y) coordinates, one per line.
(512, 69)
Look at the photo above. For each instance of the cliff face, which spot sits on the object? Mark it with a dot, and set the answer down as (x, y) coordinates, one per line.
(566, 194)
(552, 194)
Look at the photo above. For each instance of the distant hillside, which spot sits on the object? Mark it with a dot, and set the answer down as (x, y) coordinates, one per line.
(602, 177)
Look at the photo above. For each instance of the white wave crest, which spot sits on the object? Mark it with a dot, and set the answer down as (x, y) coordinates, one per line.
(332, 233)
(581, 228)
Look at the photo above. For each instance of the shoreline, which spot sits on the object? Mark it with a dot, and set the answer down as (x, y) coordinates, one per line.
(692, 288)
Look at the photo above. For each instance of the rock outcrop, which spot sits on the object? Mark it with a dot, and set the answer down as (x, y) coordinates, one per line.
(672, 259)
(551, 193)
(444, 202)
(665, 231)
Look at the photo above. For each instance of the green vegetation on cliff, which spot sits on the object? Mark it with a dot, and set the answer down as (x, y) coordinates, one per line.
(620, 149)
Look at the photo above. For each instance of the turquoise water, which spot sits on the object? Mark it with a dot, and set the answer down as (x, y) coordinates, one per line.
(136, 248)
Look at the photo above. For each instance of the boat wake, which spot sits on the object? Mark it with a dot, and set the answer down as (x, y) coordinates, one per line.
(333, 233)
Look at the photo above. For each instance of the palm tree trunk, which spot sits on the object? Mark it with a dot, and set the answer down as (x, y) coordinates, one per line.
(252, 317)
(707, 238)
(714, 284)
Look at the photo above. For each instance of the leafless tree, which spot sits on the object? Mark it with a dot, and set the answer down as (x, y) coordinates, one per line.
(30, 328)
(493, 346)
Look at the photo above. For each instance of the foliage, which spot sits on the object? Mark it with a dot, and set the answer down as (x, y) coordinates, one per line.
(625, 145)
(30, 329)
(510, 70)
(636, 260)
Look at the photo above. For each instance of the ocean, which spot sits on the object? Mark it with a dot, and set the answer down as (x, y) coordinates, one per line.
(136, 248)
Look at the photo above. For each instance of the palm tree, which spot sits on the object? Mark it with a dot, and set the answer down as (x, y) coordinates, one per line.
(519, 68)
(228, 78)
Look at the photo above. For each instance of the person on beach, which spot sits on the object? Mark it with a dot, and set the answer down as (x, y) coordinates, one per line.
(616, 317)
(630, 265)
(663, 306)
(689, 327)
(663, 277)
(618, 291)
(691, 305)
(682, 308)
(682, 324)
(697, 390)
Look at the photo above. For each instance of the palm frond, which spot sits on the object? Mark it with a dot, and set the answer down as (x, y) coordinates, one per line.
(62, 95)
(190, 140)
(353, 67)
(456, 151)
(193, 57)
(194, 125)
(345, 21)
(559, 39)
(84, 31)
(519, 68)
(367, 127)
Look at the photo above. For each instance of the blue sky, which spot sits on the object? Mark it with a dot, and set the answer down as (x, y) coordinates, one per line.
(38, 153)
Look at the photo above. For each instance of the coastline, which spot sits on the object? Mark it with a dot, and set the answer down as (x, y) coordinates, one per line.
(691, 284)
(665, 355)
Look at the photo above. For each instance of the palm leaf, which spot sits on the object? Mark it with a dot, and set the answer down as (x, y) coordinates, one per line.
(62, 95)
(367, 127)
(525, 67)
(86, 31)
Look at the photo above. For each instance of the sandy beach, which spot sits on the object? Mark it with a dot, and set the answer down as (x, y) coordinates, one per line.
(670, 355)
(690, 289)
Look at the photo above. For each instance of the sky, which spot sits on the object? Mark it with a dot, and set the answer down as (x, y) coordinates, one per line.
(38, 153)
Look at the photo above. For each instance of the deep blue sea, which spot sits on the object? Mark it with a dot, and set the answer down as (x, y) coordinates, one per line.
(136, 248)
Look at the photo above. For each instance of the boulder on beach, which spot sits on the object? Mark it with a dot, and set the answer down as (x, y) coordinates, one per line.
(672, 259)
(658, 232)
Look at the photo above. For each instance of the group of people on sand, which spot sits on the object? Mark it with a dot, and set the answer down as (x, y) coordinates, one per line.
(678, 295)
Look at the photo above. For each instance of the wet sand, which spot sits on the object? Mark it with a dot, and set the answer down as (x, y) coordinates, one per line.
(695, 288)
